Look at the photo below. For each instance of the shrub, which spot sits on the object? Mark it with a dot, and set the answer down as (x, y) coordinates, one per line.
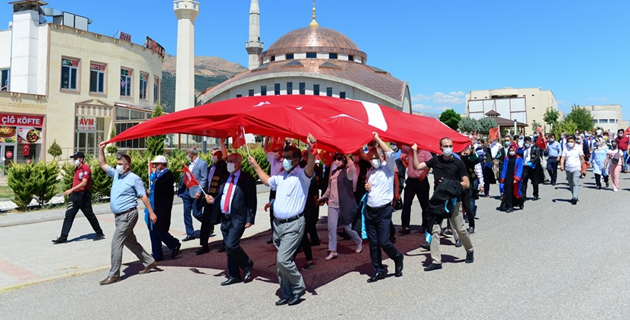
(67, 177)
(101, 183)
(261, 158)
(44, 176)
(21, 182)
(54, 150)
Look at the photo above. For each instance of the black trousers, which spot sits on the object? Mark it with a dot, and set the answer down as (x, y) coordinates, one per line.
(272, 196)
(377, 226)
(208, 219)
(79, 200)
(529, 174)
(305, 245)
(468, 204)
(415, 187)
(156, 242)
(552, 168)
(236, 256)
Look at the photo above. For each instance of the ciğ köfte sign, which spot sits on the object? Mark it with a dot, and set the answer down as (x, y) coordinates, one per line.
(21, 120)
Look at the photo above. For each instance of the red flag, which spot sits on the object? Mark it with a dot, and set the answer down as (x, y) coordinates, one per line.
(189, 179)
(627, 132)
(238, 140)
(326, 156)
(493, 134)
(541, 142)
(274, 143)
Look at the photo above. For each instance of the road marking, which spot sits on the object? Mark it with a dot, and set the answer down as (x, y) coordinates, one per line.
(16, 271)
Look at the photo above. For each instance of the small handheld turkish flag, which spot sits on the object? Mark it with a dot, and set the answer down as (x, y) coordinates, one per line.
(541, 142)
(189, 179)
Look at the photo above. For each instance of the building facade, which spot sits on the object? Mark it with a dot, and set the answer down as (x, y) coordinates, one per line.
(607, 117)
(526, 105)
(70, 85)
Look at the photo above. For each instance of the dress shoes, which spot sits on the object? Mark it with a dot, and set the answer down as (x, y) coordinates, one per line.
(433, 266)
(510, 210)
(574, 201)
(377, 276)
(99, 236)
(315, 243)
(60, 240)
(282, 301)
(404, 232)
(536, 198)
(188, 238)
(471, 230)
(399, 266)
(295, 299)
(470, 257)
(309, 265)
(148, 268)
(248, 272)
(458, 243)
(175, 250)
(222, 249)
(202, 250)
(425, 246)
(109, 280)
(230, 281)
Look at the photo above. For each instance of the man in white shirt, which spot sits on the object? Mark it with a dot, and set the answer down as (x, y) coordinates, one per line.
(275, 167)
(378, 214)
(572, 161)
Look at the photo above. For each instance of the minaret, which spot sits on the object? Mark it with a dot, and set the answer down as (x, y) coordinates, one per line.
(254, 47)
(314, 23)
(186, 12)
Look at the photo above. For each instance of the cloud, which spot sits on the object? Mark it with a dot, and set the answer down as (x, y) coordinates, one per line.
(598, 99)
(452, 98)
(419, 107)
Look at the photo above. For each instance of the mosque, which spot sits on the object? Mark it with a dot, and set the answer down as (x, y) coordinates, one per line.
(310, 61)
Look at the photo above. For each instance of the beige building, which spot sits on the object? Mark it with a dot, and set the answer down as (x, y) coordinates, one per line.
(526, 105)
(608, 117)
(63, 83)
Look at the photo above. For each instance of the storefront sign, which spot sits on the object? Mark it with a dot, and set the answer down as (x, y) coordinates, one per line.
(21, 120)
(9, 154)
(29, 135)
(8, 134)
(87, 124)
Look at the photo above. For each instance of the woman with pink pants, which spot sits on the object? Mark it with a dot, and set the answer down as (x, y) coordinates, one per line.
(614, 159)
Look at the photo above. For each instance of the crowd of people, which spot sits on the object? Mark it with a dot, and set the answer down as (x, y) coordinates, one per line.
(361, 191)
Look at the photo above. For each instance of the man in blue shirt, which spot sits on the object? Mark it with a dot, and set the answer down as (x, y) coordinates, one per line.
(126, 188)
(554, 152)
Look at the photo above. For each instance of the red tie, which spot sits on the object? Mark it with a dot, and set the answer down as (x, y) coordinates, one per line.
(226, 205)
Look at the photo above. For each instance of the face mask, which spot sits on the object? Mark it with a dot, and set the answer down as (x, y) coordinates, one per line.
(527, 145)
(512, 153)
(507, 144)
(189, 158)
(520, 143)
(579, 142)
(552, 140)
(376, 163)
(120, 169)
(570, 145)
(447, 151)
(286, 164)
(77, 162)
(230, 167)
(215, 159)
(475, 146)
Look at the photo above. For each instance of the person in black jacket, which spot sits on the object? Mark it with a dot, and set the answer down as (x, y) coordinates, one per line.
(446, 166)
(531, 167)
(217, 174)
(236, 204)
(161, 195)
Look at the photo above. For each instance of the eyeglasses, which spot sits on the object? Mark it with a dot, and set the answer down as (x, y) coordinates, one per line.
(447, 146)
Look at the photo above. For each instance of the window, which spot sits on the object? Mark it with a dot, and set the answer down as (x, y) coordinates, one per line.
(251, 92)
(273, 58)
(342, 94)
(289, 56)
(316, 89)
(129, 144)
(276, 89)
(156, 90)
(611, 121)
(350, 58)
(603, 120)
(125, 83)
(144, 79)
(263, 90)
(4, 84)
(332, 56)
(311, 55)
(239, 95)
(97, 78)
(329, 91)
(69, 73)
(289, 87)
(302, 87)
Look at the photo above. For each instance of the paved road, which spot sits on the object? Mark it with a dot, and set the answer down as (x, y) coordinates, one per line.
(549, 261)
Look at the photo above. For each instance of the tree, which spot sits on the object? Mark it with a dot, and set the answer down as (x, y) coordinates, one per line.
(567, 126)
(468, 125)
(551, 116)
(111, 149)
(581, 117)
(450, 118)
(54, 150)
(487, 123)
(155, 144)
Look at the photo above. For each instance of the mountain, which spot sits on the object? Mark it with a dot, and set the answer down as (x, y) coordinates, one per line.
(209, 71)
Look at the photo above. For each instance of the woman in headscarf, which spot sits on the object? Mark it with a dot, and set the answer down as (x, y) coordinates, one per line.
(341, 204)
(510, 183)
(614, 162)
(598, 161)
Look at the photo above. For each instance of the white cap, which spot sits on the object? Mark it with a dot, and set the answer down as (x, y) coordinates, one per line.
(159, 159)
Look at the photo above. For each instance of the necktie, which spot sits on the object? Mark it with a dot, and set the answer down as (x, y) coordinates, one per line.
(226, 203)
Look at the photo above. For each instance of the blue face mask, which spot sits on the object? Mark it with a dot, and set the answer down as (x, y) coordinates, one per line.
(286, 164)
(507, 144)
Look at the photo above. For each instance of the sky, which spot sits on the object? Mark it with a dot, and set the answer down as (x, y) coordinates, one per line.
(580, 50)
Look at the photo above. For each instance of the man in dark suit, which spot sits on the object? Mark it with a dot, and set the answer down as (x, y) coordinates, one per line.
(161, 195)
(236, 203)
(190, 197)
(217, 175)
(531, 166)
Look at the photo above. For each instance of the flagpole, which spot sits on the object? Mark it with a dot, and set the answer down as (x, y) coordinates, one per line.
(246, 146)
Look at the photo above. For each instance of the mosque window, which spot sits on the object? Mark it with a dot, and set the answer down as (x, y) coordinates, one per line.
(342, 94)
(302, 87)
(350, 58)
(329, 91)
(289, 87)
(332, 56)
(263, 90)
(125, 82)
(311, 55)
(251, 92)
(273, 58)
(289, 56)
(316, 89)
(239, 95)
(276, 89)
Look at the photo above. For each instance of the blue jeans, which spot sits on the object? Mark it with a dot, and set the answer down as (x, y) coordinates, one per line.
(625, 160)
(194, 205)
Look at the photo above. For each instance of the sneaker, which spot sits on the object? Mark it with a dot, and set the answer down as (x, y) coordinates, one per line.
(574, 201)
(99, 236)
(470, 257)
(458, 243)
(615, 189)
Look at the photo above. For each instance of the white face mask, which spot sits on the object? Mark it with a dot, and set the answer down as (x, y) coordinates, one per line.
(512, 153)
(527, 145)
(570, 144)
(189, 158)
(286, 164)
(447, 151)
(120, 169)
(230, 167)
(215, 159)
(77, 162)
(376, 163)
